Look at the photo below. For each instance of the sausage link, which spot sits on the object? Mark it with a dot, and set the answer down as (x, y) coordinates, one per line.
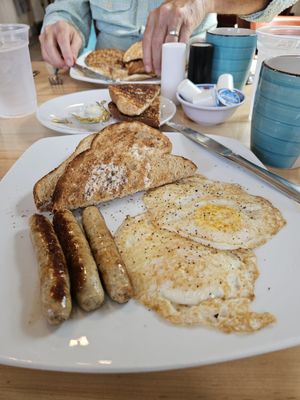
(107, 257)
(85, 280)
(53, 272)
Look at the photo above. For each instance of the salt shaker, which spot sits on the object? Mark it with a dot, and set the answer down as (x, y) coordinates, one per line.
(172, 69)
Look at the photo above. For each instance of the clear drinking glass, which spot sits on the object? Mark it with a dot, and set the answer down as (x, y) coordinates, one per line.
(17, 89)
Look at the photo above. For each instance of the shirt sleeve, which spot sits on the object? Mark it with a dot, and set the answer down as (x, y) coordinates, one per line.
(76, 12)
(274, 8)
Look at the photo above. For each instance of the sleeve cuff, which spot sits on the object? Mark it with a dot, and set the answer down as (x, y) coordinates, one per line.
(274, 8)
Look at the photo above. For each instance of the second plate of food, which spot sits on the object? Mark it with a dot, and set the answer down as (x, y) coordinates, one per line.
(85, 112)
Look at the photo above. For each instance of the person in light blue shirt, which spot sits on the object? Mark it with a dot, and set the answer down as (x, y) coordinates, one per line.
(119, 23)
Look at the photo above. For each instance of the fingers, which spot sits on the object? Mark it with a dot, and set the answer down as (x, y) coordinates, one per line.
(60, 44)
(173, 21)
(173, 35)
(185, 34)
(147, 43)
(76, 45)
(64, 44)
(158, 39)
(50, 51)
(164, 25)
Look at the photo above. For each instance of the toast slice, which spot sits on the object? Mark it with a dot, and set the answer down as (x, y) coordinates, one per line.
(108, 62)
(134, 52)
(139, 161)
(133, 99)
(44, 188)
(133, 60)
(151, 116)
(111, 135)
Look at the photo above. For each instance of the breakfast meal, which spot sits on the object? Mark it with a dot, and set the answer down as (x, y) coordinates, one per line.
(83, 270)
(107, 257)
(118, 64)
(135, 103)
(188, 283)
(189, 256)
(216, 214)
(53, 271)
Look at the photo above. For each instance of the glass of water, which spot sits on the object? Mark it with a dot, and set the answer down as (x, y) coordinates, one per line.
(17, 89)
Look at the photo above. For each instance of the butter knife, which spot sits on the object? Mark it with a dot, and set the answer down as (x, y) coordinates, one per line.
(288, 188)
(92, 74)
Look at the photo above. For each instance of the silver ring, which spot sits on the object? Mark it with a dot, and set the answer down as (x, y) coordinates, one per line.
(173, 33)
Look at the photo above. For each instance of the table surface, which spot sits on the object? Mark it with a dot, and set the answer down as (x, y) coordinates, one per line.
(271, 376)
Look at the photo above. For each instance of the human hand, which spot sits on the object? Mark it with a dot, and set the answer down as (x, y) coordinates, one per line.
(60, 44)
(178, 17)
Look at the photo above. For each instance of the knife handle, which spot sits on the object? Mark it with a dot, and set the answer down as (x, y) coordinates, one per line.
(290, 189)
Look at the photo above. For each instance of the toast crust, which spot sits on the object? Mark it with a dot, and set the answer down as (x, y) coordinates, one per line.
(44, 187)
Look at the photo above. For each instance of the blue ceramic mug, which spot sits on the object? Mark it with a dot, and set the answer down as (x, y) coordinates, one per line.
(275, 127)
(233, 53)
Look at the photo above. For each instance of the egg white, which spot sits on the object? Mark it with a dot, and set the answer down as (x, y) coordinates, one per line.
(188, 283)
(217, 214)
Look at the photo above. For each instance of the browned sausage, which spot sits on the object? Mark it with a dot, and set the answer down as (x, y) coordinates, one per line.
(84, 275)
(54, 277)
(107, 257)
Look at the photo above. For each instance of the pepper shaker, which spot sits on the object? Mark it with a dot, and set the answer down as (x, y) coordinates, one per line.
(200, 62)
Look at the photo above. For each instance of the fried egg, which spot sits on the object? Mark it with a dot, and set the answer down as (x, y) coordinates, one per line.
(188, 283)
(218, 214)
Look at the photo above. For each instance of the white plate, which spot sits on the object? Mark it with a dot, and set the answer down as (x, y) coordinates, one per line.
(75, 74)
(64, 106)
(124, 338)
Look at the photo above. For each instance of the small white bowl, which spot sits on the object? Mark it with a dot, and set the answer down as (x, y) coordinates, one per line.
(209, 115)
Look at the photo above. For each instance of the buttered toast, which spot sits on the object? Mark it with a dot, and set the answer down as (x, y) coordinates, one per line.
(135, 158)
(110, 136)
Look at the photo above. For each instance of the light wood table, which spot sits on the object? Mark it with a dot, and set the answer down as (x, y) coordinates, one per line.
(272, 376)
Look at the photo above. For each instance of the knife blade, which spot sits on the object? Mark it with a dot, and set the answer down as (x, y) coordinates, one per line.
(288, 188)
(92, 74)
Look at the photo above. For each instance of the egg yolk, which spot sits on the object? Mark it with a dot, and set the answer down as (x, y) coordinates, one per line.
(218, 217)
